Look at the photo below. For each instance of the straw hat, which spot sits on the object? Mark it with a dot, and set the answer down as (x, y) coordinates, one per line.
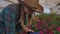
(34, 4)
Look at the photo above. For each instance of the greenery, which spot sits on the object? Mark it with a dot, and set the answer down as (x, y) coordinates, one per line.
(47, 24)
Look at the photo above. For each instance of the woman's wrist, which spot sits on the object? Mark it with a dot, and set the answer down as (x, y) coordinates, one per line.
(22, 24)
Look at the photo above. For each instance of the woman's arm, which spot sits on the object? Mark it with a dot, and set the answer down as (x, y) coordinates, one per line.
(30, 19)
(22, 18)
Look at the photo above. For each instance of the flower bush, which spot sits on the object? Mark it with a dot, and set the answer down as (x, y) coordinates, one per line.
(46, 24)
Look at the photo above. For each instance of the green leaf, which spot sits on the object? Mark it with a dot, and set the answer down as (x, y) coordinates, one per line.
(56, 32)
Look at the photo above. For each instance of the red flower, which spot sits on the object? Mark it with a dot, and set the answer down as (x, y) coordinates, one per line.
(45, 30)
(52, 25)
(38, 27)
(50, 29)
(42, 22)
(51, 32)
(58, 28)
(41, 32)
(24, 33)
(38, 20)
(29, 27)
(45, 25)
(47, 20)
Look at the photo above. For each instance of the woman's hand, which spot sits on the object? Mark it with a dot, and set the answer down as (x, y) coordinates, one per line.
(26, 29)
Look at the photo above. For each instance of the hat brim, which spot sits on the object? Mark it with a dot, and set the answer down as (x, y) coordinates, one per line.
(34, 4)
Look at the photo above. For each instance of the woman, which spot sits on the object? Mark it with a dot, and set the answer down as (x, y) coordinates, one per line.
(13, 16)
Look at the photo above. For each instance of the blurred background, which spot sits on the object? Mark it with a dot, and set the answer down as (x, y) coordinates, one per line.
(50, 6)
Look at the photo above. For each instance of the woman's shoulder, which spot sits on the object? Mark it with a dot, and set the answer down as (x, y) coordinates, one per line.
(13, 6)
(10, 7)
